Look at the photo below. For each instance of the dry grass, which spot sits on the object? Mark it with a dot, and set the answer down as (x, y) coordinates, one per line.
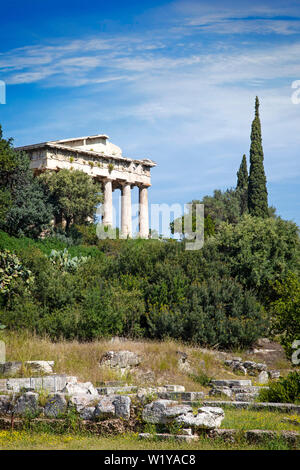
(82, 359)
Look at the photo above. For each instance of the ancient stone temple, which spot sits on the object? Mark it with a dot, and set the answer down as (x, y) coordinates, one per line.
(104, 161)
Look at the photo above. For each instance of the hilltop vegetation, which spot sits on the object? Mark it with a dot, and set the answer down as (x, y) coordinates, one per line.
(243, 284)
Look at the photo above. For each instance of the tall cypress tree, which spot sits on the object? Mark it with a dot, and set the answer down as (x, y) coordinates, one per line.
(242, 184)
(242, 175)
(257, 186)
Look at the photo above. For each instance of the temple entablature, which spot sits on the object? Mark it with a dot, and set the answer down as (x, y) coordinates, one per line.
(104, 161)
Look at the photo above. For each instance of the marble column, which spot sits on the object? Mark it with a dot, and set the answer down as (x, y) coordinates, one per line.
(107, 219)
(126, 227)
(143, 212)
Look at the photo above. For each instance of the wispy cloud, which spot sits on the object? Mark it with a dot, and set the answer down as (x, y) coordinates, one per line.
(186, 89)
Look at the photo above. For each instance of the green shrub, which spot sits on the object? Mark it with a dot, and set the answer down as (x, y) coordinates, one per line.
(286, 311)
(64, 261)
(286, 390)
(11, 269)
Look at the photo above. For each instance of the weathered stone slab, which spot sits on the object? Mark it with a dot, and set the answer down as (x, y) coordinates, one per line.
(245, 396)
(55, 406)
(163, 411)
(49, 383)
(274, 374)
(77, 388)
(27, 404)
(207, 418)
(174, 388)
(87, 413)
(263, 377)
(281, 407)
(231, 383)
(120, 359)
(122, 406)
(219, 391)
(105, 408)
(36, 383)
(45, 367)
(115, 390)
(82, 400)
(183, 396)
(5, 401)
(10, 368)
(16, 385)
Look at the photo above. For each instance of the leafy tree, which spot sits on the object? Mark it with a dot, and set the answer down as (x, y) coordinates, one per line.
(257, 188)
(73, 194)
(9, 160)
(286, 311)
(24, 206)
(259, 251)
(242, 184)
(5, 204)
(30, 213)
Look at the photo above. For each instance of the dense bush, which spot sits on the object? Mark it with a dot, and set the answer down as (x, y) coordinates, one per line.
(286, 311)
(259, 251)
(152, 288)
(286, 390)
(12, 270)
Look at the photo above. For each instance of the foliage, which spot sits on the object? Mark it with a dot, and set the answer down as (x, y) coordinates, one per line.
(201, 378)
(11, 269)
(242, 175)
(64, 261)
(73, 194)
(30, 213)
(286, 311)
(285, 390)
(257, 188)
(259, 251)
(242, 185)
(24, 205)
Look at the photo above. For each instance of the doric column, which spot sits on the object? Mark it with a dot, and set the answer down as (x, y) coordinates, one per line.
(126, 228)
(107, 204)
(143, 212)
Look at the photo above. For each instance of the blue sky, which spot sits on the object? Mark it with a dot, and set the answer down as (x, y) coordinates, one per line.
(171, 81)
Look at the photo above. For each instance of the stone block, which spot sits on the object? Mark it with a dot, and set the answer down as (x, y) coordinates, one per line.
(207, 418)
(45, 367)
(87, 413)
(49, 383)
(77, 388)
(10, 368)
(36, 383)
(55, 406)
(231, 383)
(174, 388)
(122, 406)
(16, 385)
(5, 402)
(27, 404)
(105, 408)
(164, 411)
